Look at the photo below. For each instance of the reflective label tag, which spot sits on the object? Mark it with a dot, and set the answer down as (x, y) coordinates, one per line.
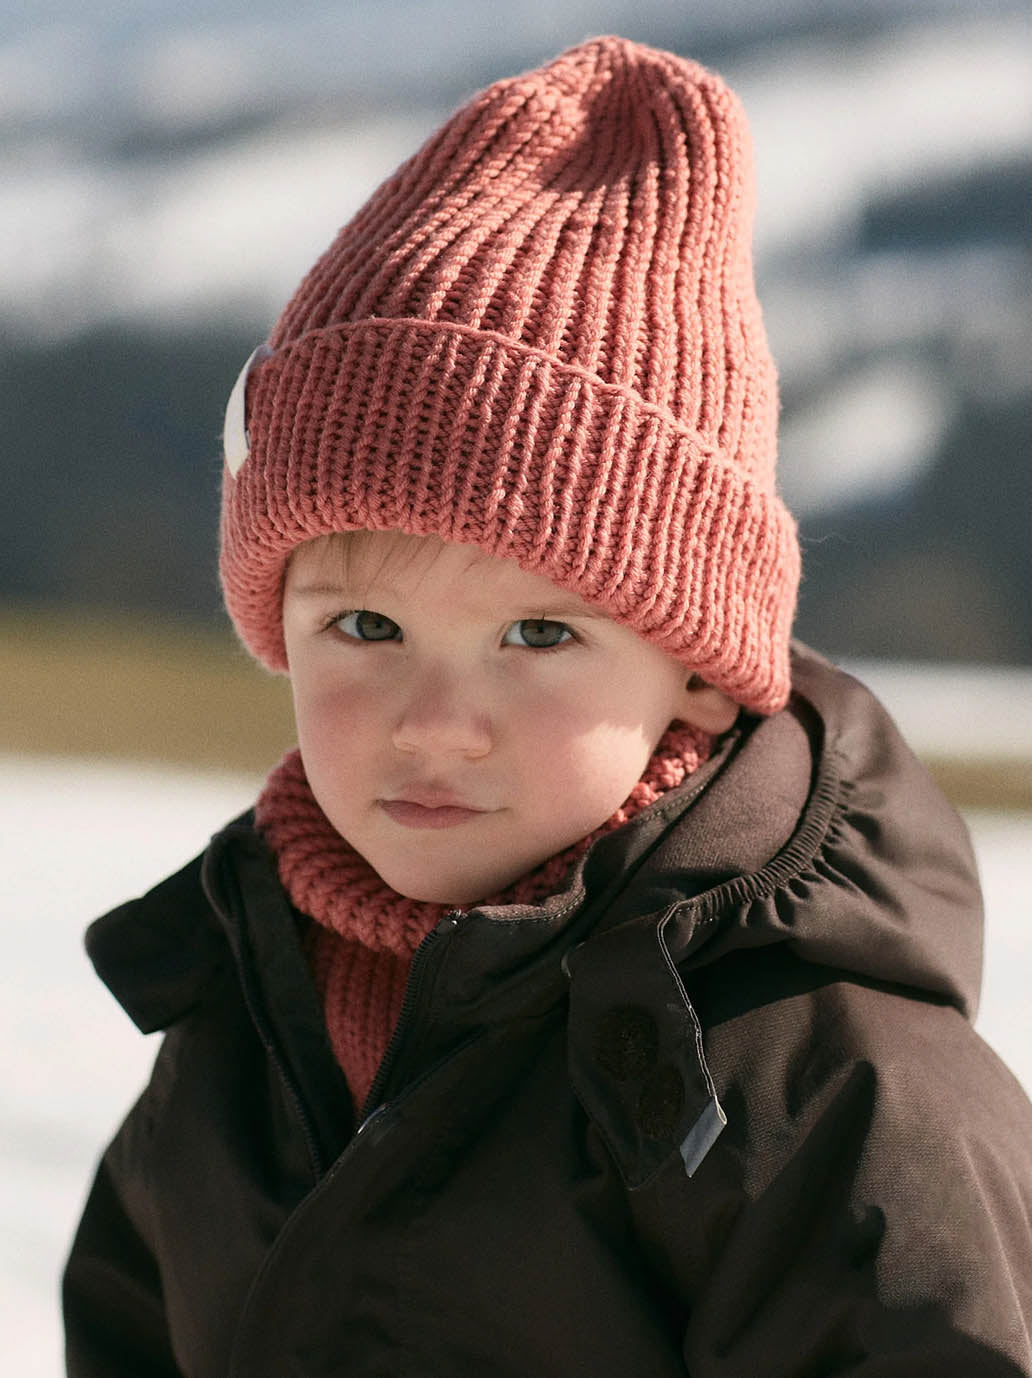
(236, 443)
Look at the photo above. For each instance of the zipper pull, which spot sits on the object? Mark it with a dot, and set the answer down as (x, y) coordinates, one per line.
(564, 962)
(374, 1115)
(441, 928)
(450, 921)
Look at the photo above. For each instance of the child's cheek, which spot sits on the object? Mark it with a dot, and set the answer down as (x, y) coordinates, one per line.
(604, 760)
(344, 706)
(330, 706)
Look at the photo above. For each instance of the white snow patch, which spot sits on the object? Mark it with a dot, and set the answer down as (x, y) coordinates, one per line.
(236, 227)
(965, 712)
(76, 838)
(1003, 846)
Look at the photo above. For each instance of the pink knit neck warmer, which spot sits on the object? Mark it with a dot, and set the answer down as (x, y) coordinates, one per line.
(362, 949)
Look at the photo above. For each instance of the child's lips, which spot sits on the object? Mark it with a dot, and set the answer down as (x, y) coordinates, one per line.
(432, 797)
(413, 814)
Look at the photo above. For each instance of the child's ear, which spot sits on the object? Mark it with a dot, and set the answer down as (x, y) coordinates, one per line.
(706, 708)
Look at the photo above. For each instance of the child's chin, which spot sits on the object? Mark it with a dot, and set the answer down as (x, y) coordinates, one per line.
(463, 893)
(428, 893)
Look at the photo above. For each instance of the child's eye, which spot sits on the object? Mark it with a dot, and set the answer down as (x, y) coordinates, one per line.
(538, 634)
(364, 625)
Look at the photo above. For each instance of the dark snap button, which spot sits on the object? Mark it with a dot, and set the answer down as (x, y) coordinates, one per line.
(626, 1042)
(660, 1103)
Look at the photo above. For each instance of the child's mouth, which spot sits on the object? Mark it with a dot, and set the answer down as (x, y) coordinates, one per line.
(411, 815)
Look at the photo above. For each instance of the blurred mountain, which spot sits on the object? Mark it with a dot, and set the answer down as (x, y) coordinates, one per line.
(169, 173)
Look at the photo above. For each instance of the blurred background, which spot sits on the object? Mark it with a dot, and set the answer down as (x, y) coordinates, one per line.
(172, 167)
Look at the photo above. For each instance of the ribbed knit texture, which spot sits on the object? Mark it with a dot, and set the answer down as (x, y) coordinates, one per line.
(362, 949)
(541, 337)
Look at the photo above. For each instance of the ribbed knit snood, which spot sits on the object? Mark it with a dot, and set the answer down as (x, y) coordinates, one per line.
(366, 933)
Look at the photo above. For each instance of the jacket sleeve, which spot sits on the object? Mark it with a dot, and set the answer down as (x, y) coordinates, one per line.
(115, 1325)
(867, 1210)
(156, 955)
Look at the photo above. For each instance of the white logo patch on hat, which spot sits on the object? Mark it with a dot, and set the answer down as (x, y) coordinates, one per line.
(236, 443)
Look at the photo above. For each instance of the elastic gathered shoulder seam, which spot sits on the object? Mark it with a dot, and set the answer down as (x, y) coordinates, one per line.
(829, 803)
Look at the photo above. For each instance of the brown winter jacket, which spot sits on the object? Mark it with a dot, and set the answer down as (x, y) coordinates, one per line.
(544, 1184)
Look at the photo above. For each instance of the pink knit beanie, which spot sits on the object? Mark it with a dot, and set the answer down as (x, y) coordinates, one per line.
(541, 337)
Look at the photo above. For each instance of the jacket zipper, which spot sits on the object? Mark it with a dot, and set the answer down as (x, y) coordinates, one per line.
(315, 1154)
(374, 1110)
(413, 991)
(248, 986)
(269, 1262)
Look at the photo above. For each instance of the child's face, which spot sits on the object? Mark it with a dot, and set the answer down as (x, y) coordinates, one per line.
(426, 673)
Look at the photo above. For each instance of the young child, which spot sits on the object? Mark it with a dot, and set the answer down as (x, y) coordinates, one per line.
(590, 994)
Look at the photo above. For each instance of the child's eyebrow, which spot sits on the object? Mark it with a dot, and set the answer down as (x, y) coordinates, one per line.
(559, 610)
(317, 590)
(526, 613)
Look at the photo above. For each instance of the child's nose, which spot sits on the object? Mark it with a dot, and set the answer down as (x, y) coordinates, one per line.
(443, 715)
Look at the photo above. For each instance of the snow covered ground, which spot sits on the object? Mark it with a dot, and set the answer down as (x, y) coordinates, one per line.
(77, 837)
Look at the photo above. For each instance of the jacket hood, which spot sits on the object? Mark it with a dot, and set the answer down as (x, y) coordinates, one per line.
(825, 832)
